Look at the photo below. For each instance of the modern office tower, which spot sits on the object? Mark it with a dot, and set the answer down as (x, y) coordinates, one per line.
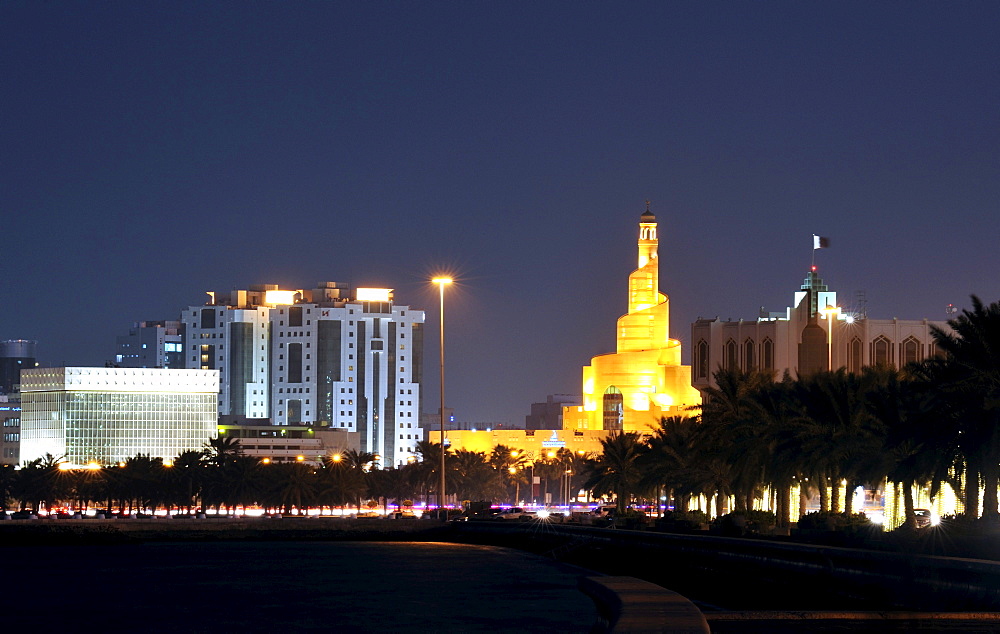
(10, 427)
(15, 355)
(815, 334)
(324, 356)
(231, 334)
(107, 415)
(152, 344)
(633, 388)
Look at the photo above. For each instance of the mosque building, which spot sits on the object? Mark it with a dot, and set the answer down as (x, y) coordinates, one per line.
(628, 390)
(643, 381)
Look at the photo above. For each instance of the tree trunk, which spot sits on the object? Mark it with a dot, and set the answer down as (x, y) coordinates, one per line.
(971, 492)
(783, 504)
(824, 495)
(991, 480)
(803, 499)
(908, 506)
(835, 495)
(849, 499)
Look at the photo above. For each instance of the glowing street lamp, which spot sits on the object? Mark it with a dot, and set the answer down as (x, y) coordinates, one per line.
(441, 282)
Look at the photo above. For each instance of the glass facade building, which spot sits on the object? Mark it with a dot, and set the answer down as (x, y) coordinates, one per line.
(107, 415)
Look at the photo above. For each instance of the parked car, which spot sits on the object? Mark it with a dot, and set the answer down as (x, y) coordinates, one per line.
(515, 513)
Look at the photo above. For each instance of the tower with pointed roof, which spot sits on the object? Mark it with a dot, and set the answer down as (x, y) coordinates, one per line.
(643, 380)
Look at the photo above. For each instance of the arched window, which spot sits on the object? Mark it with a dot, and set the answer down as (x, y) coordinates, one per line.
(881, 351)
(854, 355)
(749, 359)
(909, 351)
(613, 408)
(731, 360)
(767, 355)
(701, 359)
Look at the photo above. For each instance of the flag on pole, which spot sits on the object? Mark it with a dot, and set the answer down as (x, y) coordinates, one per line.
(820, 242)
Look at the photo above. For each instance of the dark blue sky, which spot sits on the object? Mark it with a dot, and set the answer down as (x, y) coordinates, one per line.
(153, 151)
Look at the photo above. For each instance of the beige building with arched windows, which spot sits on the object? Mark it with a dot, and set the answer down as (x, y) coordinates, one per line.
(815, 334)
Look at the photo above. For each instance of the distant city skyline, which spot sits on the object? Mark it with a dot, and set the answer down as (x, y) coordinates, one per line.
(153, 153)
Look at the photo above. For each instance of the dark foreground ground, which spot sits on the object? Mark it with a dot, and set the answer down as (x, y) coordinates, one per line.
(289, 586)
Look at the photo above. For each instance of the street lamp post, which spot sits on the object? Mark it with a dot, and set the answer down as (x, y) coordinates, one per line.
(830, 312)
(441, 282)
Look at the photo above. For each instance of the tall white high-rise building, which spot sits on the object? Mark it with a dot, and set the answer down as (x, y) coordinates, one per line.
(325, 357)
(231, 334)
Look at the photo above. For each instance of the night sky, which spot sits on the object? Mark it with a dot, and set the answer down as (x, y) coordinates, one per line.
(152, 151)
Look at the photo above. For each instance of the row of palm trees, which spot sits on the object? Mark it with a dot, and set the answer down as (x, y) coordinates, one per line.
(932, 423)
(222, 477)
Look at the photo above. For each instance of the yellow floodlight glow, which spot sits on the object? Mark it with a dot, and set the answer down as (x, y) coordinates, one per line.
(373, 294)
(663, 400)
(279, 297)
(65, 466)
(299, 458)
(337, 457)
(639, 401)
(168, 463)
(442, 280)
(93, 466)
(266, 461)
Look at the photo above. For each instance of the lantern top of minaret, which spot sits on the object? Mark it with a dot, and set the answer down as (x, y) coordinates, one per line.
(647, 216)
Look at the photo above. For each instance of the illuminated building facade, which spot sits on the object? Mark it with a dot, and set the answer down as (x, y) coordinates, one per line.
(643, 381)
(815, 334)
(324, 357)
(151, 344)
(274, 444)
(231, 334)
(10, 427)
(536, 445)
(107, 415)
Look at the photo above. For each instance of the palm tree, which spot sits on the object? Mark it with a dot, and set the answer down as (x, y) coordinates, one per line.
(141, 480)
(40, 482)
(222, 449)
(340, 483)
(972, 353)
(430, 466)
(392, 484)
(838, 433)
(668, 465)
(187, 473)
(474, 478)
(510, 465)
(617, 471)
(732, 434)
(6, 484)
(292, 484)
